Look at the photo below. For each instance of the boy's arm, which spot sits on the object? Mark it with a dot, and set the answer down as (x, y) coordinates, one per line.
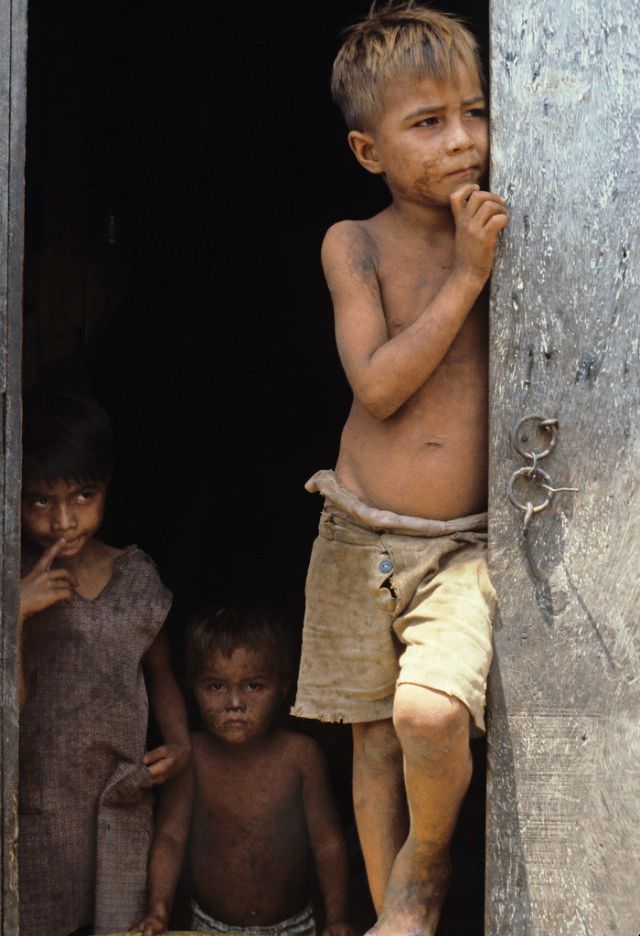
(327, 842)
(169, 710)
(167, 852)
(385, 372)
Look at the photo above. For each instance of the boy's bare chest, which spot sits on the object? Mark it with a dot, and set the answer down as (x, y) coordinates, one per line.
(409, 280)
(230, 793)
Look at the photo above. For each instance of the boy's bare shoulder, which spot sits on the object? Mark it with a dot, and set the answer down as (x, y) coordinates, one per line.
(351, 243)
(348, 229)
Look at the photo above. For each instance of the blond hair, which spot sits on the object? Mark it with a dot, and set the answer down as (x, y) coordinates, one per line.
(397, 40)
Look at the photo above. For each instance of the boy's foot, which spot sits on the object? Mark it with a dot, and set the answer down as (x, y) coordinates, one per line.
(417, 888)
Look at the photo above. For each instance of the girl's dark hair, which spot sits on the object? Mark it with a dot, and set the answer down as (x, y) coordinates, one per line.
(66, 437)
(240, 625)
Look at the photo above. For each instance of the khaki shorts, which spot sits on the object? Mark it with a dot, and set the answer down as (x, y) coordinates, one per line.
(384, 609)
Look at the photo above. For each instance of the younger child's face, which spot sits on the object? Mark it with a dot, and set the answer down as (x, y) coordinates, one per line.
(431, 138)
(62, 510)
(239, 695)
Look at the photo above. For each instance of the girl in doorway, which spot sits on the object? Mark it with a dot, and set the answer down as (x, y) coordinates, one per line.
(91, 619)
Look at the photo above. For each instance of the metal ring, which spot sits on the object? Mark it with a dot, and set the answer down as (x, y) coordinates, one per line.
(549, 425)
(530, 473)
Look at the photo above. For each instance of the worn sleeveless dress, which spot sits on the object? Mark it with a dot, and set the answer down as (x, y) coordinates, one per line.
(85, 796)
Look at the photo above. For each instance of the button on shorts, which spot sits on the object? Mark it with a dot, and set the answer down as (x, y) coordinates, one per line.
(383, 609)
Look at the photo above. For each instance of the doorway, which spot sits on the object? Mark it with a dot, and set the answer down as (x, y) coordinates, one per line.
(182, 168)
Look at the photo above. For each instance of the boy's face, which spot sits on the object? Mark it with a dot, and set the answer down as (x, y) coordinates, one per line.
(238, 696)
(62, 510)
(431, 138)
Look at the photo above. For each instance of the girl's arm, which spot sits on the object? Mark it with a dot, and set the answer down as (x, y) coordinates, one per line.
(39, 589)
(167, 852)
(169, 712)
(327, 842)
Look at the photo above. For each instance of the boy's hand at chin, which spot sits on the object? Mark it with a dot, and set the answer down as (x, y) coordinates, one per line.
(479, 218)
(44, 586)
(166, 762)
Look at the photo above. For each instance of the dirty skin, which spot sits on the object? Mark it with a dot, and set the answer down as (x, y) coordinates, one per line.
(414, 903)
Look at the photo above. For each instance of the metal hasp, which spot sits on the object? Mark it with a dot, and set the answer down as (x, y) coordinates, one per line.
(563, 742)
(534, 475)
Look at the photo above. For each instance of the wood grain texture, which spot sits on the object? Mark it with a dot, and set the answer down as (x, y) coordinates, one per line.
(13, 35)
(564, 741)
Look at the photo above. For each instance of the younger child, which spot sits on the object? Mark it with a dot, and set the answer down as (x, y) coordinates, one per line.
(255, 809)
(91, 620)
(397, 636)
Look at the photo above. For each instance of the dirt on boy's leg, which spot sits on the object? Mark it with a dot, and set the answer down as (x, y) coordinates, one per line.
(379, 800)
(433, 730)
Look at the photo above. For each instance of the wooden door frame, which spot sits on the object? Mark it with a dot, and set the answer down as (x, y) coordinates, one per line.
(505, 861)
(564, 735)
(13, 60)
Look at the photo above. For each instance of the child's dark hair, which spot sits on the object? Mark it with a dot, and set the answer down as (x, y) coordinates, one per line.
(66, 437)
(225, 629)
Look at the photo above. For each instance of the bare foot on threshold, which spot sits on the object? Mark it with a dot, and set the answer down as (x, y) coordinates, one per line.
(417, 888)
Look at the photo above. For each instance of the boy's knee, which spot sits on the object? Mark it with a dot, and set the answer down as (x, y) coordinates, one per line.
(430, 724)
(376, 745)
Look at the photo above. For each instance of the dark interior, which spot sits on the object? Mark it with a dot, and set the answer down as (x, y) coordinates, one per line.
(183, 163)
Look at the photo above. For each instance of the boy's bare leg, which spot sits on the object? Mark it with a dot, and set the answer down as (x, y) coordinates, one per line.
(379, 800)
(433, 730)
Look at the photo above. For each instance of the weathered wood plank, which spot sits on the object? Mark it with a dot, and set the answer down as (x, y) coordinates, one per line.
(13, 33)
(564, 743)
(5, 88)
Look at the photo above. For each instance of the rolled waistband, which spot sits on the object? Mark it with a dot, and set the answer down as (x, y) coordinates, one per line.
(345, 501)
(301, 924)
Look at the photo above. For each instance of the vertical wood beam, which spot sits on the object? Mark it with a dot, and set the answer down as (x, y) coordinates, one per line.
(13, 37)
(563, 849)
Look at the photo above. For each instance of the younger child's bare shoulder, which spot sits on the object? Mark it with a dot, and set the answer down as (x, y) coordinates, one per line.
(300, 750)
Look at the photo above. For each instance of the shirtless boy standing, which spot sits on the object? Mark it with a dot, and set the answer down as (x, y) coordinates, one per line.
(397, 637)
(256, 810)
